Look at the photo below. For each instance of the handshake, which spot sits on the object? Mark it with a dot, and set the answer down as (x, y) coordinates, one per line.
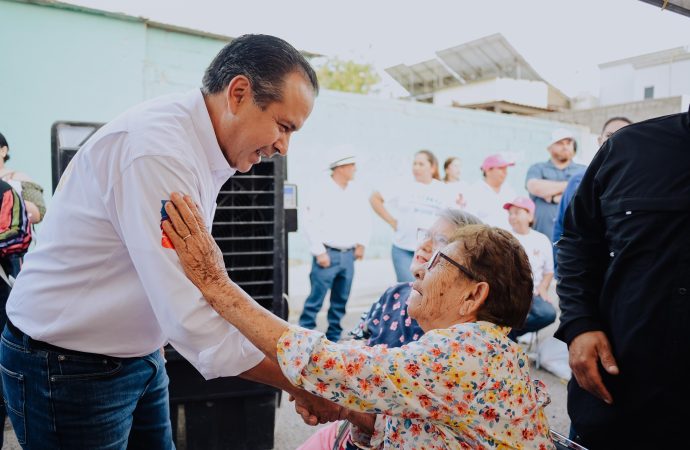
(315, 410)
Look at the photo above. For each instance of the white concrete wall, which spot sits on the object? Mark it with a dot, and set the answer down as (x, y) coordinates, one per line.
(387, 133)
(525, 92)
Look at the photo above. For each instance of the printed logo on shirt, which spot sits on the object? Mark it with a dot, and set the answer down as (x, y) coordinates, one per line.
(165, 240)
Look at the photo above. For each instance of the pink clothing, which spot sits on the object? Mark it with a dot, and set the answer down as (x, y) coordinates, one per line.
(323, 439)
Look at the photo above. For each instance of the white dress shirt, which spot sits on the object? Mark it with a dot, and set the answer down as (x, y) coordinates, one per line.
(487, 204)
(100, 279)
(337, 217)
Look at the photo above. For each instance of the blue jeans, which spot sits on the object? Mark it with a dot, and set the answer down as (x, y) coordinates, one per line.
(401, 263)
(71, 400)
(541, 314)
(338, 278)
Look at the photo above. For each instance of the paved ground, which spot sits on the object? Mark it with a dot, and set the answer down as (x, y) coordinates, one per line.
(371, 279)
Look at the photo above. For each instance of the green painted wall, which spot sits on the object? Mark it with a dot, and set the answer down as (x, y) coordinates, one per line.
(70, 64)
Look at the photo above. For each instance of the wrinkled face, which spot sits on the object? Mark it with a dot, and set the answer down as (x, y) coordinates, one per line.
(422, 169)
(347, 171)
(563, 150)
(453, 169)
(437, 294)
(496, 176)
(611, 128)
(250, 133)
(519, 218)
(436, 237)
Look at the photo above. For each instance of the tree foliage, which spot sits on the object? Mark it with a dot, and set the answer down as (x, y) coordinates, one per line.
(347, 76)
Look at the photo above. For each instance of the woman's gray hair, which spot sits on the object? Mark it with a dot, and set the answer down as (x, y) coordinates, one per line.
(459, 218)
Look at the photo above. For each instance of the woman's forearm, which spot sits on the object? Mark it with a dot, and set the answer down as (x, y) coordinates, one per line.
(256, 323)
(376, 201)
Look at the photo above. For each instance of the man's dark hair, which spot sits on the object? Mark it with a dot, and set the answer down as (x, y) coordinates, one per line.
(3, 143)
(264, 60)
(614, 119)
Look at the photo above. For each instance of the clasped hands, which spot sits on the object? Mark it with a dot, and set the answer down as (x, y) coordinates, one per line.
(315, 410)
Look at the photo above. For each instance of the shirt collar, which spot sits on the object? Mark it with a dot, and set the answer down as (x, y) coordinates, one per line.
(206, 134)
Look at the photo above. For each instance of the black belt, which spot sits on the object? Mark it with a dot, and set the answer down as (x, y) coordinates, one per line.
(39, 345)
(342, 250)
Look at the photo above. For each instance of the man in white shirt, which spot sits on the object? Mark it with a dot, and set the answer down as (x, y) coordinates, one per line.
(485, 199)
(338, 226)
(103, 291)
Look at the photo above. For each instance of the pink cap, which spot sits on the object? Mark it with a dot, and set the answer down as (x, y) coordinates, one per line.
(493, 161)
(522, 202)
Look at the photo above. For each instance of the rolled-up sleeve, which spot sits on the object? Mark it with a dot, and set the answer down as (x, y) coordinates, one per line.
(197, 332)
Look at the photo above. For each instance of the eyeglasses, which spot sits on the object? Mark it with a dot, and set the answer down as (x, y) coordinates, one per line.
(438, 255)
(437, 240)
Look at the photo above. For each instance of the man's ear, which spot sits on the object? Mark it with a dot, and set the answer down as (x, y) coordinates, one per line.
(475, 299)
(238, 91)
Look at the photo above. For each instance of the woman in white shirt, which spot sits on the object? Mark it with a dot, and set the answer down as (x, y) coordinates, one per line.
(540, 253)
(415, 205)
(452, 169)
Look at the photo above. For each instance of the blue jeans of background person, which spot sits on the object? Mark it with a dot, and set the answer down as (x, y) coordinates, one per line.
(70, 400)
(338, 278)
(401, 262)
(541, 314)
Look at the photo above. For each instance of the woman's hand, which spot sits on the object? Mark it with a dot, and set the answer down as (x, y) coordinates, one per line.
(200, 257)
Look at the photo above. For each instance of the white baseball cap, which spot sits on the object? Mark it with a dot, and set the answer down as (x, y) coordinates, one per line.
(560, 134)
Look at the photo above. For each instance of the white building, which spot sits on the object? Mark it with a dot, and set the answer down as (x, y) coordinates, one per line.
(652, 76)
(486, 73)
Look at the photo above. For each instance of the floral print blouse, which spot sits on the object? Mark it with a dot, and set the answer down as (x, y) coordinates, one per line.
(467, 386)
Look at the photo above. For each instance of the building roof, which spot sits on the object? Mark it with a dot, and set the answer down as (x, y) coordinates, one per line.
(677, 6)
(651, 59)
(130, 18)
(485, 58)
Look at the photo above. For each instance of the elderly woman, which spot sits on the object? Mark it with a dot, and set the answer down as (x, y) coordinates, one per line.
(462, 384)
(387, 323)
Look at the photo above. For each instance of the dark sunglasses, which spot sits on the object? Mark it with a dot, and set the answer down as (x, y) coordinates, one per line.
(438, 255)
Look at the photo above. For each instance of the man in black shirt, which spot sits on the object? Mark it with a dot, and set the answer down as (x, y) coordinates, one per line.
(624, 261)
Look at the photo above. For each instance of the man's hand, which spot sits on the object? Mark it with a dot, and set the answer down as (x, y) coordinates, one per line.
(359, 251)
(323, 260)
(315, 410)
(394, 224)
(585, 351)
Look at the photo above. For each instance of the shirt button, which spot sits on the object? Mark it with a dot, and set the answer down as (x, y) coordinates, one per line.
(682, 291)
